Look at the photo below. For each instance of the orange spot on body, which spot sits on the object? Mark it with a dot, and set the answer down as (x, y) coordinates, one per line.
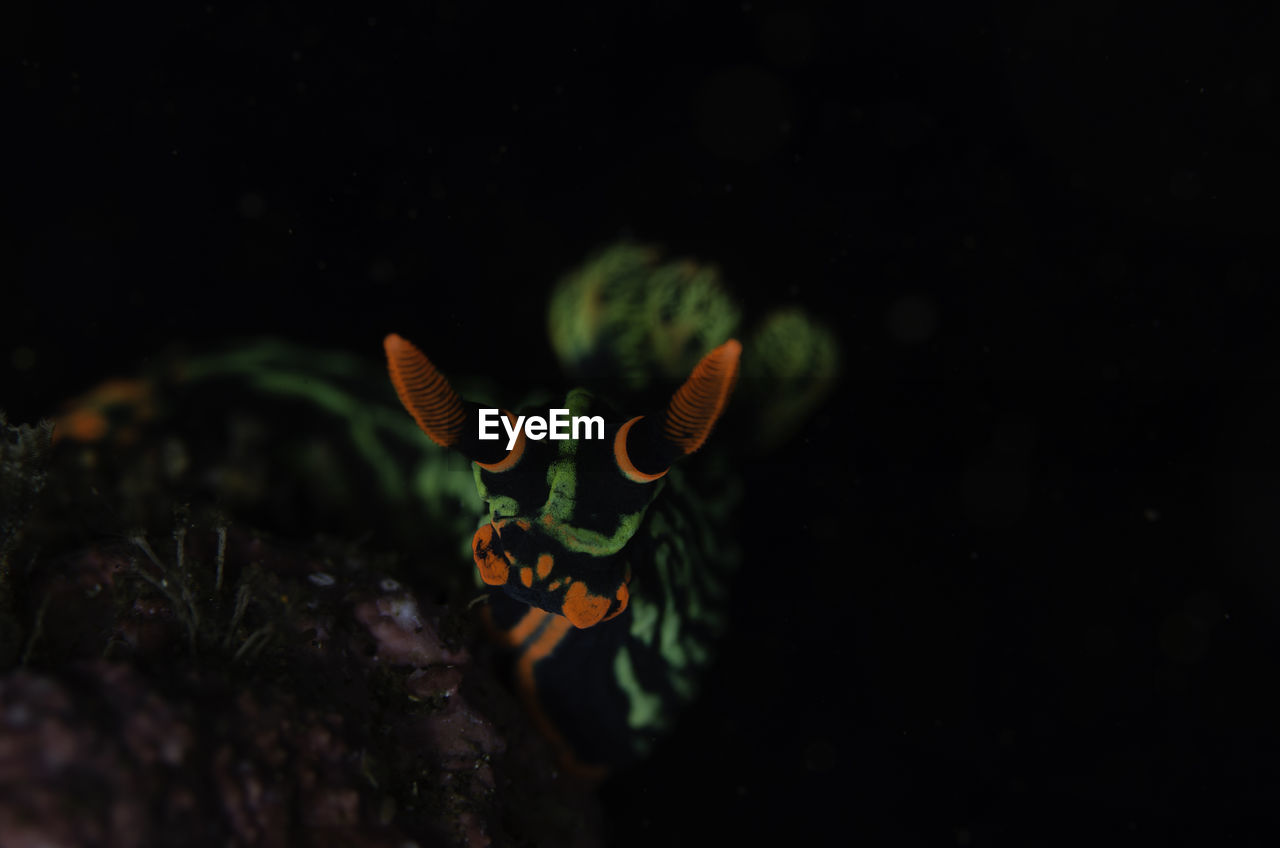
(545, 562)
(555, 584)
(493, 566)
(526, 576)
(583, 608)
(623, 595)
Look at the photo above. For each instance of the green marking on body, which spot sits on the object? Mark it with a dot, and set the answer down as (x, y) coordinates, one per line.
(682, 683)
(262, 364)
(679, 572)
(698, 651)
(646, 707)
(590, 541)
(562, 484)
(669, 642)
(275, 354)
(644, 619)
(498, 504)
(361, 424)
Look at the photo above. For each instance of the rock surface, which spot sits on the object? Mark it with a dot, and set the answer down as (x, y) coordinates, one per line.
(304, 700)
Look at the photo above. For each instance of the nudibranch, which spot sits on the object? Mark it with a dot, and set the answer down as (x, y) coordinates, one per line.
(605, 576)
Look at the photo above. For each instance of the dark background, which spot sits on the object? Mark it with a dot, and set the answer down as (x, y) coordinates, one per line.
(1017, 582)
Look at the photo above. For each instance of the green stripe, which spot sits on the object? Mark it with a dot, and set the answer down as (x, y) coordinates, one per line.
(646, 707)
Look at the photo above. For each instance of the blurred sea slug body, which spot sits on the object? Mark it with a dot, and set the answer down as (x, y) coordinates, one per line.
(608, 560)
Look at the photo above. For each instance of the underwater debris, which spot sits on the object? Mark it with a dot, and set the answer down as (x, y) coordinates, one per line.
(24, 460)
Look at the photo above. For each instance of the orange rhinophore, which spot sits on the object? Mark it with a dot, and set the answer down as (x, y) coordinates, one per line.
(620, 456)
(513, 456)
(624, 596)
(424, 392)
(698, 403)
